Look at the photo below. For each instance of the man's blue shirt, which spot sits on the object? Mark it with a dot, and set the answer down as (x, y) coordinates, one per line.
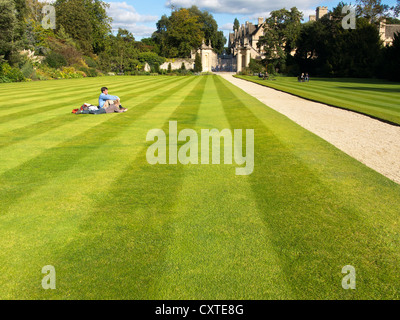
(104, 97)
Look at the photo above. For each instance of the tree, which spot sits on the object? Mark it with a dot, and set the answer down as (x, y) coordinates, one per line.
(391, 58)
(209, 27)
(178, 34)
(373, 10)
(8, 25)
(325, 48)
(75, 19)
(197, 63)
(184, 31)
(236, 25)
(397, 9)
(281, 34)
(100, 23)
(86, 21)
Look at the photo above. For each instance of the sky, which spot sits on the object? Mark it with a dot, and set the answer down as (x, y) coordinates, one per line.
(140, 17)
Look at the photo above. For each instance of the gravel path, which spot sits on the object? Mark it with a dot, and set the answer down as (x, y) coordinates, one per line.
(372, 142)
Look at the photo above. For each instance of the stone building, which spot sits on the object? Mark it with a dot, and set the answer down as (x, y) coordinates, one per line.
(209, 58)
(243, 43)
(319, 13)
(387, 31)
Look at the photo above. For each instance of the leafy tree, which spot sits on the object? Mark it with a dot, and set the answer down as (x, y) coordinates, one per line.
(178, 34)
(325, 48)
(397, 9)
(281, 34)
(86, 21)
(373, 10)
(391, 58)
(209, 27)
(36, 35)
(100, 23)
(151, 58)
(198, 67)
(236, 25)
(74, 17)
(8, 24)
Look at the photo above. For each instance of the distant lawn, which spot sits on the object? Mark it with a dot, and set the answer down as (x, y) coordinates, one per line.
(376, 98)
(77, 193)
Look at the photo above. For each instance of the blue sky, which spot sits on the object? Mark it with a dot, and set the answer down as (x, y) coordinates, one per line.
(140, 17)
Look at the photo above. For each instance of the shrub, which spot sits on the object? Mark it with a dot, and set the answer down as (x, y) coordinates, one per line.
(197, 64)
(27, 70)
(151, 58)
(90, 62)
(90, 72)
(10, 74)
(256, 66)
(55, 60)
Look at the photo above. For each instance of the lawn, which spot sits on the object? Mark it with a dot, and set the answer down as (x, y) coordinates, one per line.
(77, 193)
(376, 98)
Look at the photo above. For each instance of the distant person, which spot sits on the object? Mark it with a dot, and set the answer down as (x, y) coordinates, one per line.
(302, 77)
(306, 78)
(110, 103)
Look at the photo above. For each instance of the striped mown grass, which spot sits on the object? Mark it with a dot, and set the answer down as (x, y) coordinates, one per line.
(77, 193)
(376, 98)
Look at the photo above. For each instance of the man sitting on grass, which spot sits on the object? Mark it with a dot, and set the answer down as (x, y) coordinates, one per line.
(110, 103)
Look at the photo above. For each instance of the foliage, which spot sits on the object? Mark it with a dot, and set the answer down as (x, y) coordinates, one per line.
(236, 25)
(391, 56)
(8, 25)
(86, 21)
(373, 10)
(396, 9)
(326, 49)
(256, 66)
(209, 27)
(10, 74)
(282, 31)
(178, 34)
(198, 67)
(151, 58)
(55, 60)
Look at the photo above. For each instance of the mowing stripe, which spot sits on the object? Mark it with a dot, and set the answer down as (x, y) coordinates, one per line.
(33, 146)
(374, 105)
(220, 248)
(68, 209)
(315, 232)
(138, 221)
(70, 85)
(29, 109)
(28, 164)
(51, 119)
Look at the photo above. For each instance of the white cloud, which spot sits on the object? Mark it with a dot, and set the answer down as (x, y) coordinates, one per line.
(137, 30)
(227, 26)
(121, 12)
(248, 7)
(126, 17)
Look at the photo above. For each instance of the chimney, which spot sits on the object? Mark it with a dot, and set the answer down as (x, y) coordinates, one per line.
(260, 21)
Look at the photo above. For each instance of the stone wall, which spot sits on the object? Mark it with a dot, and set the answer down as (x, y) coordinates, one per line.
(177, 64)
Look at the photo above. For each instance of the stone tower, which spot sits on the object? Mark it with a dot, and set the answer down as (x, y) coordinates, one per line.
(321, 11)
